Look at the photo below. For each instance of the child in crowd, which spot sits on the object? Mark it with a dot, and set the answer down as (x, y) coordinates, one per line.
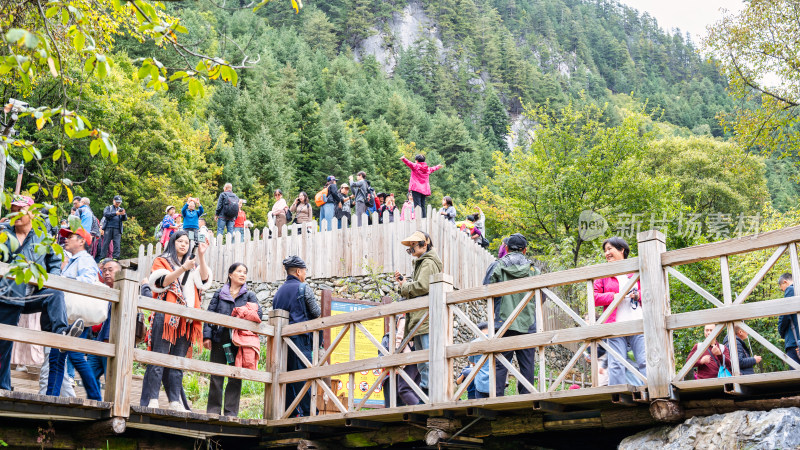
(481, 380)
(191, 212)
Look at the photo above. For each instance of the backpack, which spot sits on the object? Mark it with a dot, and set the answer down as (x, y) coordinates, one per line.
(95, 226)
(230, 209)
(483, 242)
(159, 231)
(370, 202)
(319, 199)
(289, 216)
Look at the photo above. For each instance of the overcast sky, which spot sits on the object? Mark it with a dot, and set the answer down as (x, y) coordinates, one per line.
(688, 15)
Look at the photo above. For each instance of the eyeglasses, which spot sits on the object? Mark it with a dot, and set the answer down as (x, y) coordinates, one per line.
(410, 250)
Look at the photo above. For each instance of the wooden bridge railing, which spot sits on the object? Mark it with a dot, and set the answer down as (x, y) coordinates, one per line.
(653, 268)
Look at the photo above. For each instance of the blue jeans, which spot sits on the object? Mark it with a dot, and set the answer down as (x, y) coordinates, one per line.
(54, 319)
(422, 342)
(617, 373)
(57, 366)
(326, 213)
(223, 224)
(98, 365)
(240, 232)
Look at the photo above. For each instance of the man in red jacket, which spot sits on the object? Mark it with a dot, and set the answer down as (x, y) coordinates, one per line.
(715, 356)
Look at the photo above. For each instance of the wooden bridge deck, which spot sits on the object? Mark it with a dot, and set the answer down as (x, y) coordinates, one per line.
(442, 420)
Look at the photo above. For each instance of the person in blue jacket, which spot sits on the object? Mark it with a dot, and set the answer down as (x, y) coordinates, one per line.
(296, 297)
(788, 326)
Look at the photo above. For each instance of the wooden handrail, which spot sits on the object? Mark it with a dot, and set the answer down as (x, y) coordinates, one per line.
(746, 311)
(59, 341)
(195, 365)
(72, 286)
(546, 338)
(731, 247)
(548, 280)
(338, 320)
(205, 316)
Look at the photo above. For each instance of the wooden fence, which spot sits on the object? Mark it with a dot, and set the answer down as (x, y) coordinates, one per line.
(349, 251)
(653, 268)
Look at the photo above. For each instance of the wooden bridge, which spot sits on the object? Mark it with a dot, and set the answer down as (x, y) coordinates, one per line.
(445, 418)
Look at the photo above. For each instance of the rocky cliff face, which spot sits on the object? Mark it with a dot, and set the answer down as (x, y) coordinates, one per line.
(778, 428)
(404, 30)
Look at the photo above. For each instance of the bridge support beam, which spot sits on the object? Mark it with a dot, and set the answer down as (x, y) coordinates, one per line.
(655, 308)
(440, 319)
(123, 336)
(274, 395)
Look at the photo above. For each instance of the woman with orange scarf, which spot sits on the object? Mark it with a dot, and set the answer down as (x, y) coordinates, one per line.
(175, 278)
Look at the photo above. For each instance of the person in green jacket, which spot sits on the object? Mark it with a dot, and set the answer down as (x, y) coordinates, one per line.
(512, 266)
(427, 263)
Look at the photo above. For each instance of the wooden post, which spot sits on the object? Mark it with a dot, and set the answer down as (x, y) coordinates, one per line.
(275, 395)
(655, 308)
(440, 372)
(123, 335)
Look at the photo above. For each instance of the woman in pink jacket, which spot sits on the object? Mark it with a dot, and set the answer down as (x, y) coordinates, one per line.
(419, 185)
(630, 308)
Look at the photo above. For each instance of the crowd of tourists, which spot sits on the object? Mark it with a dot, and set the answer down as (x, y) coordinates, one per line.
(180, 275)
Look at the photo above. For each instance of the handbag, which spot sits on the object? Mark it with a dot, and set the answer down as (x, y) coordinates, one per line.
(93, 311)
(723, 371)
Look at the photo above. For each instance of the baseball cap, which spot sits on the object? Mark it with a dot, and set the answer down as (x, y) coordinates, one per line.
(415, 237)
(117, 198)
(332, 178)
(517, 242)
(21, 200)
(66, 232)
(345, 185)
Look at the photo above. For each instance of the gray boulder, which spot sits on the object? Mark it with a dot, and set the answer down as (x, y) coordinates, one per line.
(778, 428)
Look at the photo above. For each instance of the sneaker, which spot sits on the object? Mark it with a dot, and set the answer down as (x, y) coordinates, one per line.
(177, 406)
(153, 404)
(75, 329)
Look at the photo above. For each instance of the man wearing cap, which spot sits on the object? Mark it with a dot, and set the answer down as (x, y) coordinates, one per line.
(427, 263)
(512, 266)
(112, 232)
(298, 299)
(81, 267)
(16, 299)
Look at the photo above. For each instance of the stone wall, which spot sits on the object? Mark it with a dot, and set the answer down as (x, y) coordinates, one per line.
(369, 287)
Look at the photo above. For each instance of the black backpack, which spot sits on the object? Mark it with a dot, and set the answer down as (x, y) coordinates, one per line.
(230, 207)
(370, 201)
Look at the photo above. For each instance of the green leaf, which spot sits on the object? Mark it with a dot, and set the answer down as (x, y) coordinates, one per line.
(89, 65)
(79, 41)
(64, 17)
(15, 34)
(56, 155)
(178, 74)
(94, 147)
(143, 71)
(56, 191)
(51, 11)
(31, 41)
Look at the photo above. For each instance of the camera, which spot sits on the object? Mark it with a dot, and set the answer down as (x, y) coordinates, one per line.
(200, 236)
